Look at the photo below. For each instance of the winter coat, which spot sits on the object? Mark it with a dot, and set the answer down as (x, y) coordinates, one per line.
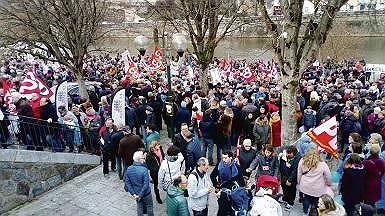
(106, 134)
(371, 121)
(375, 168)
(128, 145)
(181, 143)
(182, 116)
(264, 205)
(194, 152)
(151, 120)
(137, 180)
(48, 112)
(265, 165)
(215, 175)
(153, 162)
(381, 203)
(176, 202)
(245, 158)
(288, 168)
(352, 185)
(261, 132)
(275, 133)
(249, 108)
(349, 125)
(198, 190)
(247, 126)
(309, 119)
(172, 166)
(304, 144)
(378, 125)
(315, 181)
(207, 128)
(131, 118)
(35, 105)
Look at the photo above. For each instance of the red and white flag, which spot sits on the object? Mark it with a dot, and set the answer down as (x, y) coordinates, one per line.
(325, 135)
(248, 75)
(7, 93)
(132, 71)
(33, 84)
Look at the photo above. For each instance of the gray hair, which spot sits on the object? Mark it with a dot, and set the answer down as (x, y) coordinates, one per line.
(202, 161)
(137, 156)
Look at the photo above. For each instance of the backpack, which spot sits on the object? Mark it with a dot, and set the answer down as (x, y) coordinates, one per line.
(239, 198)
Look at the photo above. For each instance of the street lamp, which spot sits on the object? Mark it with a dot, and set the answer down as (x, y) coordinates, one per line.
(179, 41)
(141, 44)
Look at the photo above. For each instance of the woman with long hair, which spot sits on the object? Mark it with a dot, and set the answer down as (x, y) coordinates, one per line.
(328, 207)
(222, 134)
(314, 178)
(154, 159)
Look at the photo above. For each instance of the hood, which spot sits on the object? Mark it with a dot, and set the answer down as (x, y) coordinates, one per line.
(171, 158)
(173, 192)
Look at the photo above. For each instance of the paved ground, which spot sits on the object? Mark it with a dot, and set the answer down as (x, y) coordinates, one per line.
(93, 194)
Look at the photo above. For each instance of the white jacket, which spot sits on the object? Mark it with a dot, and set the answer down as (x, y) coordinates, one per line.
(198, 191)
(176, 169)
(265, 205)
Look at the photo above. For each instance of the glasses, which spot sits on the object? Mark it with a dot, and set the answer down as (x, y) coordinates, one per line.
(247, 146)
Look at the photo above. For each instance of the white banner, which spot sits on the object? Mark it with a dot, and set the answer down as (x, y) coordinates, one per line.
(61, 96)
(118, 108)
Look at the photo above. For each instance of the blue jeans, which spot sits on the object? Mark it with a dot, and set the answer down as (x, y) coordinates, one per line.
(145, 203)
(308, 201)
(208, 144)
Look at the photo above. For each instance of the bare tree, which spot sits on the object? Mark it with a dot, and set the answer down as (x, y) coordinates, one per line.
(55, 30)
(207, 22)
(293, 51)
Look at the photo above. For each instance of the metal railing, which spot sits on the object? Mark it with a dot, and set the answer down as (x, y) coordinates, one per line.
(28, 133)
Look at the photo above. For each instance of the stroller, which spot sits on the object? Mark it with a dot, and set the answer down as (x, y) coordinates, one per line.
(264, 202)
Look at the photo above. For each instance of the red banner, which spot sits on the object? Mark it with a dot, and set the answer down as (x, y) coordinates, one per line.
(325, 135)
(33, 84)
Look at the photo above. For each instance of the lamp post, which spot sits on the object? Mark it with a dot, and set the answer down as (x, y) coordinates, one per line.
(179, 41)
(141, 45)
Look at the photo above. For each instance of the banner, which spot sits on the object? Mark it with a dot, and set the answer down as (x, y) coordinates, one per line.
(7, 93)
(61, 96)
(156, 63)
(118, 108)
(130, 68)
(33, 84)
(248, 75)
(215, 76)
(325, 135)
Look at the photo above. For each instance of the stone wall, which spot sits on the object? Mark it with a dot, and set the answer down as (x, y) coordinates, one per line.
(23, 180)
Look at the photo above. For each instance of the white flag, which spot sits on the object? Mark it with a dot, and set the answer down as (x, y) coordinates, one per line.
(118, 108)
(61, 96)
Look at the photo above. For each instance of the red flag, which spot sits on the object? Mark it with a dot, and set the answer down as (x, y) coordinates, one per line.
(7, 93)
(132, 71)
(33, 84)
(156, 63)
(325, 135)
(248, 75)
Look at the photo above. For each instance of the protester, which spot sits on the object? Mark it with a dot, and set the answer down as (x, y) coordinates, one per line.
(288, 165)
(137, 183)
(199, 188)
(152, 135)
(154, 160)
(352, 183)
(105, 134)
(246, 155)
(314, 178)
(374, 170)
(261, 131)
(328, 207)
(266, 162)
(226, 171)
(175, 200)
(170, 168)
(128, 145)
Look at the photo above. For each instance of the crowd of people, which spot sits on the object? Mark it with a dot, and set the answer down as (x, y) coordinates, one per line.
(263, 173)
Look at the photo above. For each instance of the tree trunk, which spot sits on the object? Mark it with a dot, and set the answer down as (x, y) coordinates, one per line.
(82, 86)
(289, 124)
(203, 80)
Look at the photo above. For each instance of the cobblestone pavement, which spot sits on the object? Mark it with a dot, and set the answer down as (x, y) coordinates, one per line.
(93, 194)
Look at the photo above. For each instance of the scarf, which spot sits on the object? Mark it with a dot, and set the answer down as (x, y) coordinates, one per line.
(227, 172)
